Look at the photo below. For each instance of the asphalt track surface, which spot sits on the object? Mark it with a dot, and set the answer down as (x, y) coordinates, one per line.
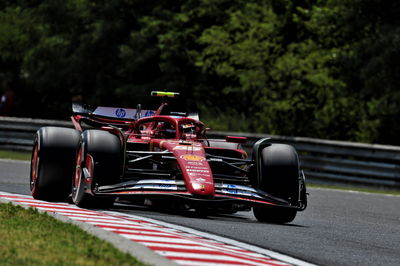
(337, 228)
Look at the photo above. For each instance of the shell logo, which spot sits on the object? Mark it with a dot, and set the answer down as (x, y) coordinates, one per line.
(192, 157)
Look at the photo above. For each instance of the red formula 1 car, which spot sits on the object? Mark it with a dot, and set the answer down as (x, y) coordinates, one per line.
(158, 157)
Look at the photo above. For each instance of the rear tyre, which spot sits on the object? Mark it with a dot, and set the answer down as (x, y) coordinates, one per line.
(52, 163)
(280, 178)
(99, 155)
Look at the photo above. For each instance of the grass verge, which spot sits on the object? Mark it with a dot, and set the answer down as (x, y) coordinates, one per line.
(32, 238)
(15, 155)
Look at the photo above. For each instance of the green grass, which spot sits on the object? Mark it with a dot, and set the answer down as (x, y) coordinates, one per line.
(32, 238)
(15, 155)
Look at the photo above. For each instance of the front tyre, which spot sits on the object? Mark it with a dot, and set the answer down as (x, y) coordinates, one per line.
(280, 178)
(52, 162)
(97, 164)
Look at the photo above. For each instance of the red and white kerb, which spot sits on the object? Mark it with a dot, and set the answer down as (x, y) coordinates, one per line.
(181, 247)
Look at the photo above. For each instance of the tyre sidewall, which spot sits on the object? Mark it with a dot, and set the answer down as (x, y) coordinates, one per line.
(280, 172)
(280, 178)
(56, 154)
(105, 149)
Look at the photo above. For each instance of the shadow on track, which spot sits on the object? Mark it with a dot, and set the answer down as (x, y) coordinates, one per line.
(199, 214)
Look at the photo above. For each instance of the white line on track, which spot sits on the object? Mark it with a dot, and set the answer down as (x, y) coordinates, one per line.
(14, 161)
(386, 193)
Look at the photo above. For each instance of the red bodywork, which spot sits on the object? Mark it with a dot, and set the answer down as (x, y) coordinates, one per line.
(184, 139)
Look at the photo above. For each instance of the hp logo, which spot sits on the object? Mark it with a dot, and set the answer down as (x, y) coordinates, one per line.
(120, 113)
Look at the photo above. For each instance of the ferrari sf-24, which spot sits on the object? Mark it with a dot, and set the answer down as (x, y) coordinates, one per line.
(159, 156)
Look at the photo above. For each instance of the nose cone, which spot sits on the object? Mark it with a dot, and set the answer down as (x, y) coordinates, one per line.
(197, 173)
(195, 169)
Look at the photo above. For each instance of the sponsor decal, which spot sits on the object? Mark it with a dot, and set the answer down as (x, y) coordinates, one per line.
(194, 163)
(198, 174)
(155, 186)
(192, 157)
(149, 113)
(240, 192)
(198, 186)
(231, 191)
(187, 148)
(198, 170)
(202, 167)
(120, 113)
(166, 186)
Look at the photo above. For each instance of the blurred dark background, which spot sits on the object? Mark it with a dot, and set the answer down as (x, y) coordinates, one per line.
(325, 69)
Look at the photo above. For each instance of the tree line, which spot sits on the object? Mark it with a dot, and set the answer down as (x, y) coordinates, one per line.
(322, 68)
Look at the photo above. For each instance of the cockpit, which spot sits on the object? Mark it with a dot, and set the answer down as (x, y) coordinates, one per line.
(166, 127)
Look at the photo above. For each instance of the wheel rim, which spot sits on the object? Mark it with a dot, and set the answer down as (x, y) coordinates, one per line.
(76, 183)
(34, 169)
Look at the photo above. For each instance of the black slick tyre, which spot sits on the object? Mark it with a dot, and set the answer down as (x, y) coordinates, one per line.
(53, 157)
(280, 178)
(99, 155)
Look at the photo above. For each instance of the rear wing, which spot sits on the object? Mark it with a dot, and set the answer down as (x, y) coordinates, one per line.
(114, 113)
(118, 113)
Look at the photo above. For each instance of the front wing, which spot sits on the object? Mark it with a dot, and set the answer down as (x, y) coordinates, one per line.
(175, 190)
